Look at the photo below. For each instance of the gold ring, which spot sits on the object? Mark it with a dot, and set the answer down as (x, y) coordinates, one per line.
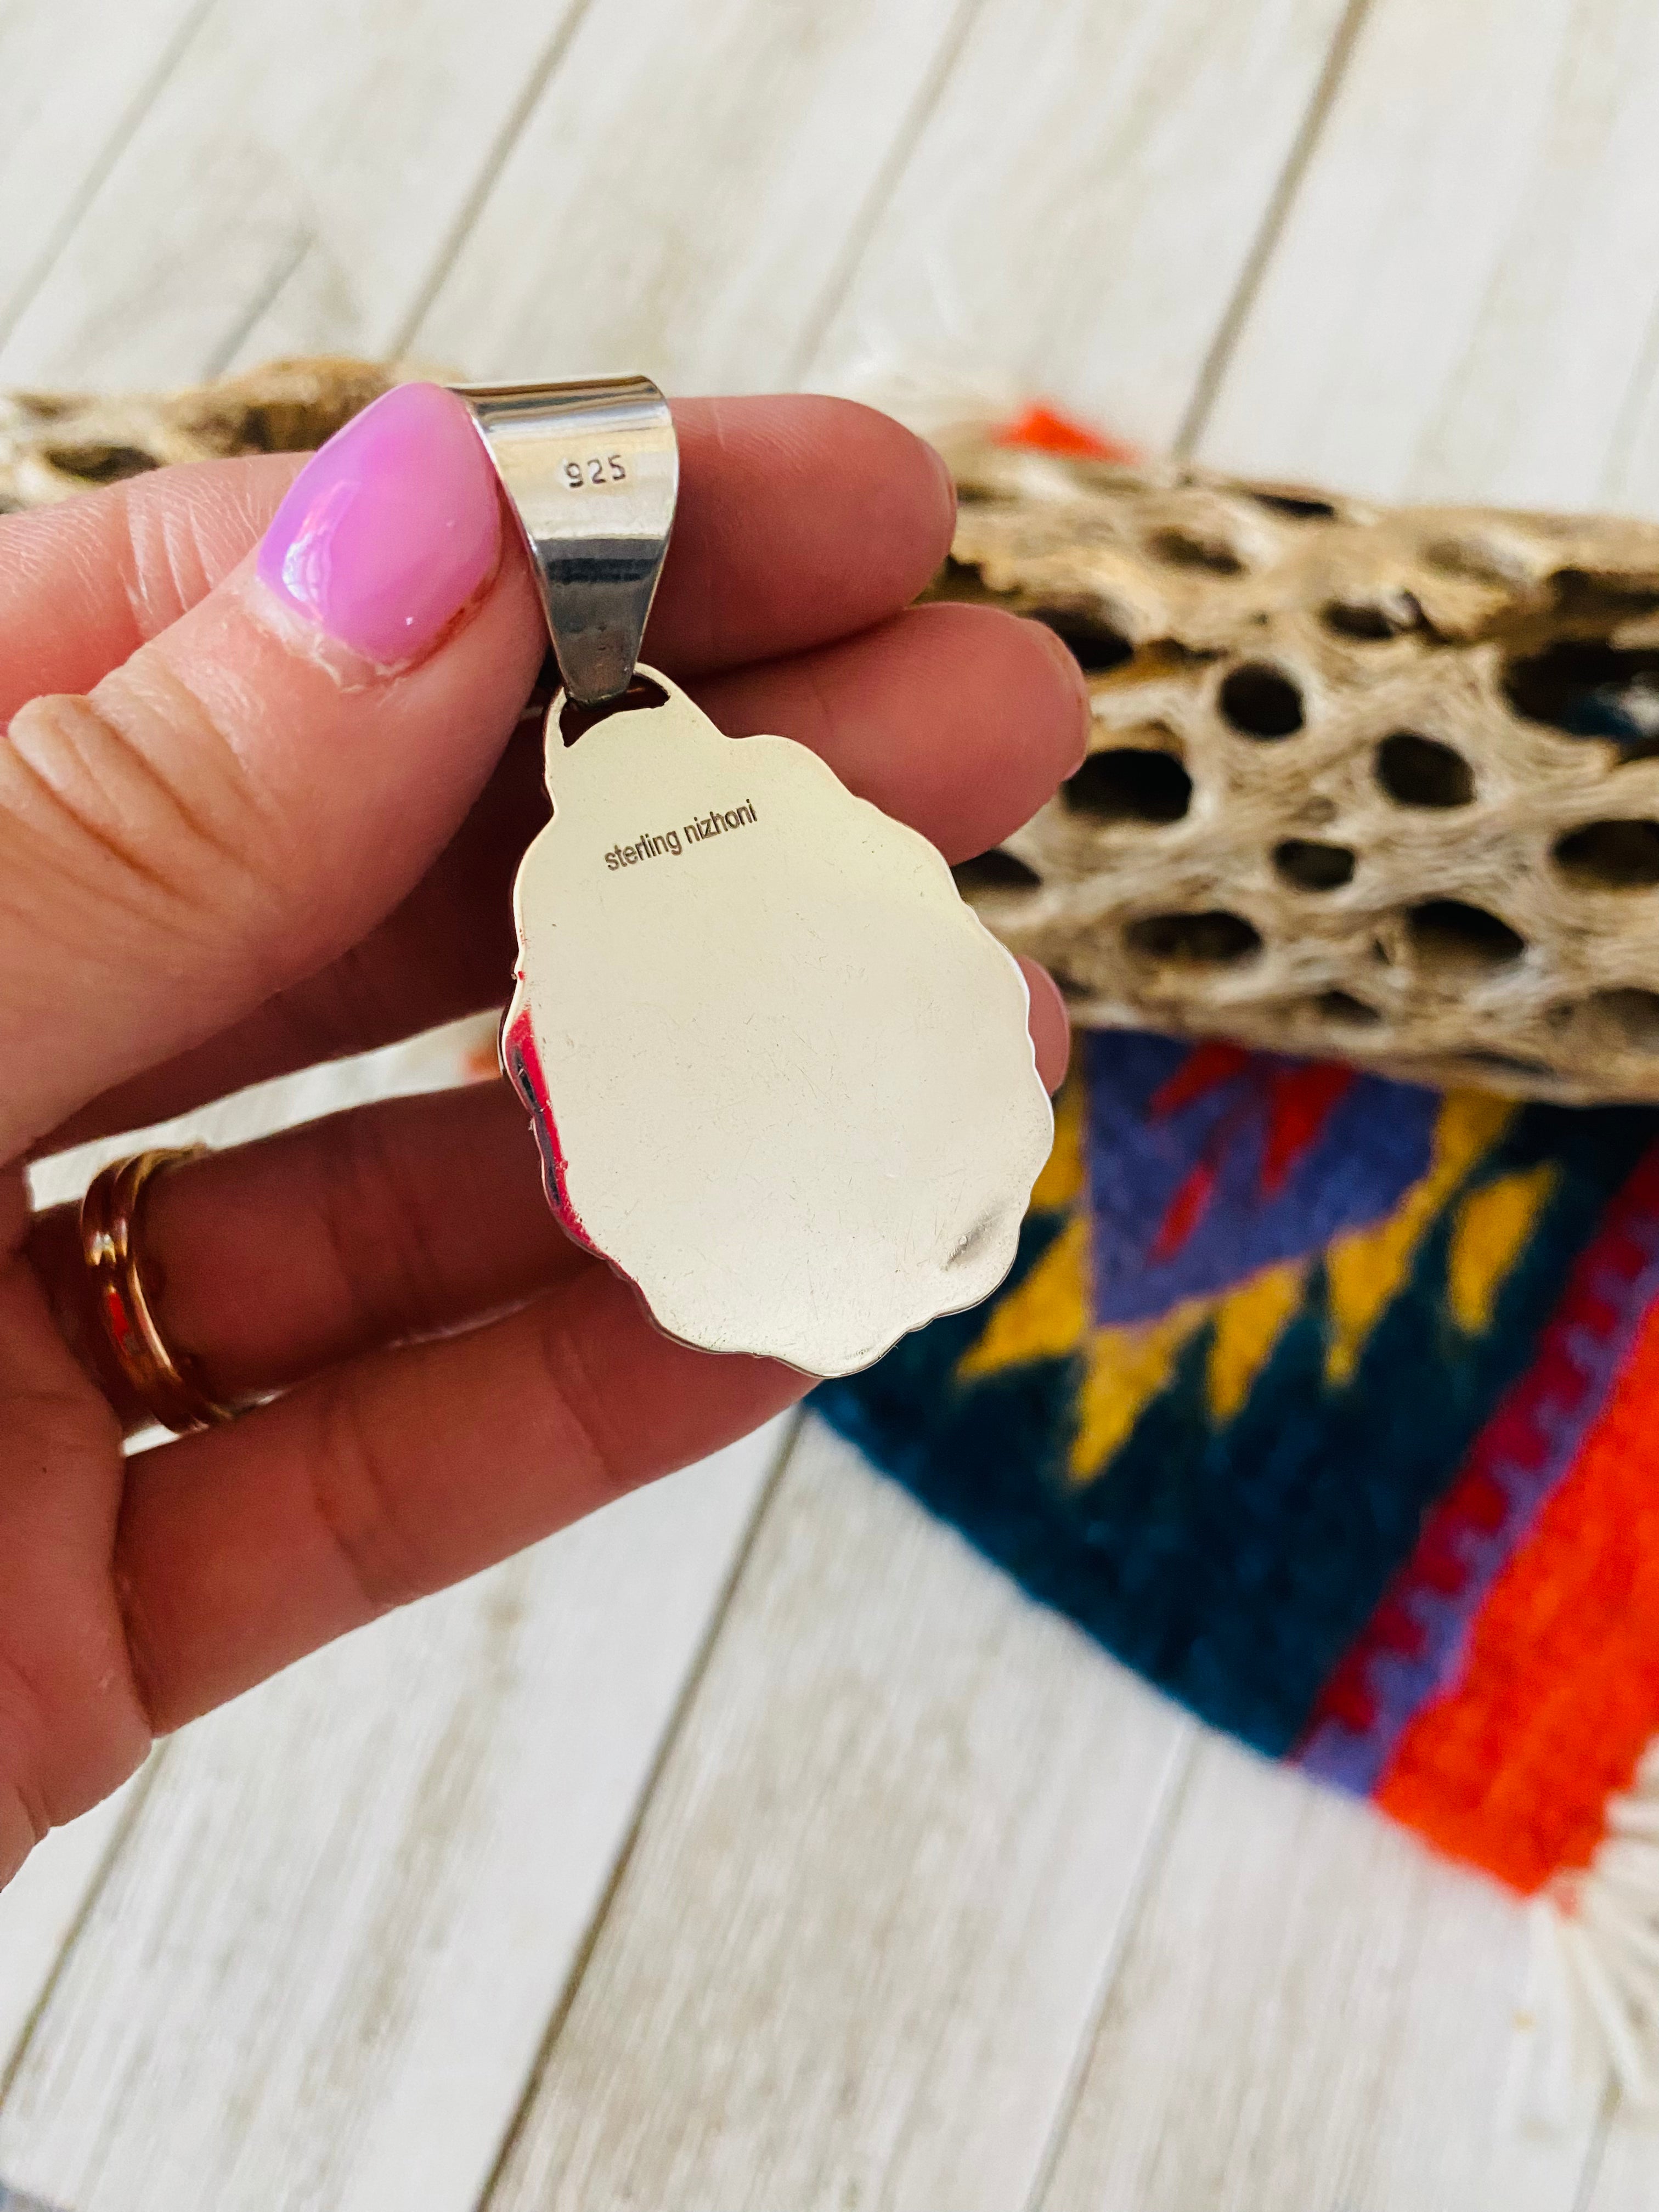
(165, 1383)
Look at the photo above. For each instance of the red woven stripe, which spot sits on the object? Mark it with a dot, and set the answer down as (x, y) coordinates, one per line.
(1520, 1438)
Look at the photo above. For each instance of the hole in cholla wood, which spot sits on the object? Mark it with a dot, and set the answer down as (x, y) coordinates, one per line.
(1418, 771)
(1261, 702)
(1590, 690)
(1616, 856)
(1451, 938)
(1127, 783)
(995, 870)
(1212, 940)
(1342, 1008)
(1184, 549)
(1582, 596)
(1295, 506)
(1094, 645)
(1309, 865)
(1626, 1014)
(102, 465)
(1389, 614)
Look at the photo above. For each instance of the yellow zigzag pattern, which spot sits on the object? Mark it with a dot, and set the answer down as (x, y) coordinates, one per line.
(1366, 1270)
(1489, 1232)
(1126, 1366)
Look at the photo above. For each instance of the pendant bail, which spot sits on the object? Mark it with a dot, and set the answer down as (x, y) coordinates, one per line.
(591, 471)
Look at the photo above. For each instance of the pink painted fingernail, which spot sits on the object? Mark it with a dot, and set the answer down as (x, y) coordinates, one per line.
(389, 531)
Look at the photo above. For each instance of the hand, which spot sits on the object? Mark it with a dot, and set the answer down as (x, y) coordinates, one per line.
(260, 807)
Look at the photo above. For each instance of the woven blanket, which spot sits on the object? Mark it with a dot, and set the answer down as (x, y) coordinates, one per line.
(1328, 1404)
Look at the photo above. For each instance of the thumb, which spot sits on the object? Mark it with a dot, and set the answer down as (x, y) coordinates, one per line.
(256, 787)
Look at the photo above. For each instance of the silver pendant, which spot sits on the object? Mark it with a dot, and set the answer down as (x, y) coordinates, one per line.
(780, 1075)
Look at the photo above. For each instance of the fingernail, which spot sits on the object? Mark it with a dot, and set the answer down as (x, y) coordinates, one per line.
(390, 529)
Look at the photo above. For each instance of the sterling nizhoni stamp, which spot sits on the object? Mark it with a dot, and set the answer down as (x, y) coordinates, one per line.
(652, 844)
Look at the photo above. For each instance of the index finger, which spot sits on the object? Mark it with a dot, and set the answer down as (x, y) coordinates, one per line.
(801, 520)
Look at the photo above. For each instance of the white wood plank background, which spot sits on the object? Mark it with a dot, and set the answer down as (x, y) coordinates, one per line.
(1283, 1922)
(40, 1910)
(927, 1903)
(1465, 288)
(1082, 202)
(681, 197)
(863, 1930)
(74, 79)
(320, 1969)
(323, 148)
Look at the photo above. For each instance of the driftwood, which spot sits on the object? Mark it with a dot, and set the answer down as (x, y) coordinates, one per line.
(1378, 783)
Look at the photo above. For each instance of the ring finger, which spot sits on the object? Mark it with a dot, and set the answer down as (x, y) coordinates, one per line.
(271, 1261)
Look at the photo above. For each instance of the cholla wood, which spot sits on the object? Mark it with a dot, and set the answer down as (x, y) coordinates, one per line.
(1368, 782)
(55, 444)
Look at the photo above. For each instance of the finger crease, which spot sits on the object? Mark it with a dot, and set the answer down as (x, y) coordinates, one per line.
(574, 1390)
(112, 794)
(353, 1494)
(189, 709)
(390, 1272)
(103, 831)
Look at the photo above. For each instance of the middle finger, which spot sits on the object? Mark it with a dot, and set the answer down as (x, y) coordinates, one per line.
(958, 719)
